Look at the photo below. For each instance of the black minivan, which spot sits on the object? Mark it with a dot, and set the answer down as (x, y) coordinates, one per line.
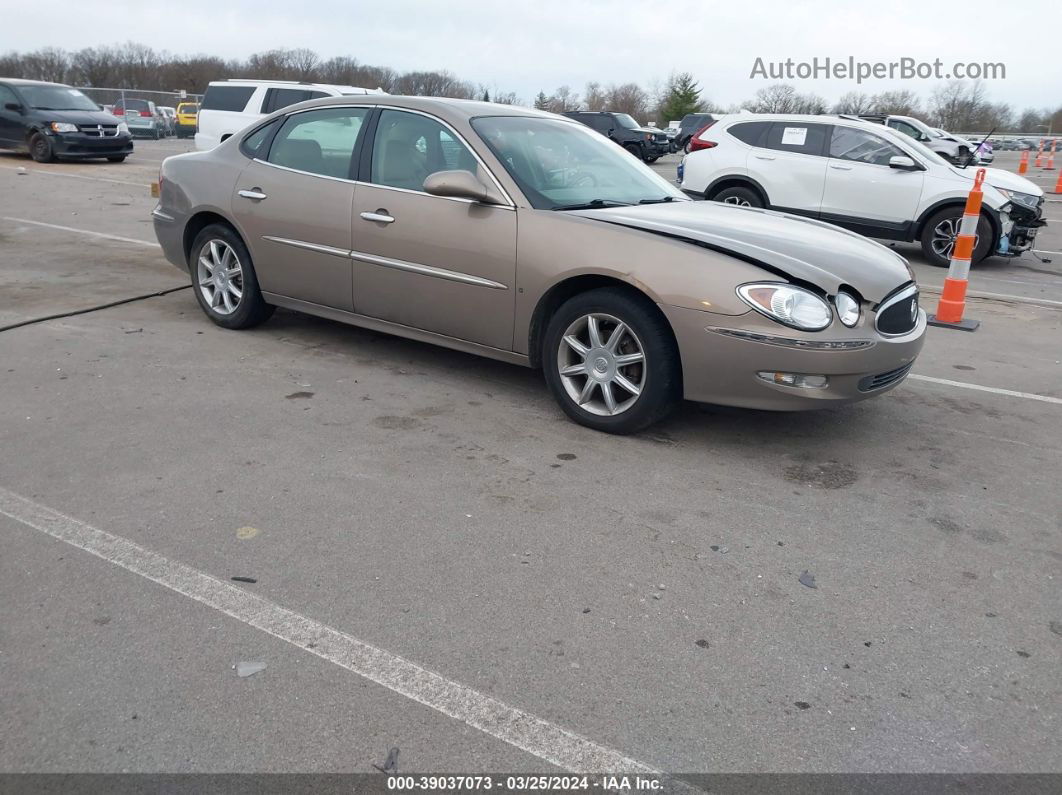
(50, 120)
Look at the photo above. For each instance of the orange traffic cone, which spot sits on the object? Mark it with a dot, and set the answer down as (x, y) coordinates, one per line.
(1040, 154)
(953, 297)
(1058, 185)
(1051, 157)
(1023, 164)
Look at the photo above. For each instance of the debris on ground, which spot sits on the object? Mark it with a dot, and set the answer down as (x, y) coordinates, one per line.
(245, 669)
(243, 579)
(808, 579)
(390, 764)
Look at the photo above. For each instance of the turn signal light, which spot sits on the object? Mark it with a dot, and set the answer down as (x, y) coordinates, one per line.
(795, 380)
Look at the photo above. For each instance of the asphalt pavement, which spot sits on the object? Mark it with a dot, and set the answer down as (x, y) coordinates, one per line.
(443, 563)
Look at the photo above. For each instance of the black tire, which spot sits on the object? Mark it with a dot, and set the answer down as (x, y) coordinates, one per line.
(660, 374)
(982, 248)
(745, 197)
(650, 159)
(40, 148)
(635, 150)
(252, 308)
(117, 158)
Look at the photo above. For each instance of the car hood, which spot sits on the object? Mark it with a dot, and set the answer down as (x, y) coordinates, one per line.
(998, 178)
(78, 116)
(799, 249)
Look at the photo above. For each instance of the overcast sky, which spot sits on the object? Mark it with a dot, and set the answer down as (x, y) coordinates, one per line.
(528, 46)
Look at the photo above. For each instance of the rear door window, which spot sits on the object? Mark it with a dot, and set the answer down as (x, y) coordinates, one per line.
(319, 141)
(797, 137)
(227, 97)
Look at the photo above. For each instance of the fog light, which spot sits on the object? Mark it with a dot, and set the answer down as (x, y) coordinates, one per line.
(795, 379)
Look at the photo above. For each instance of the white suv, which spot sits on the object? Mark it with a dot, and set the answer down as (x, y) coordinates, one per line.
(863, 176)
(230, 105)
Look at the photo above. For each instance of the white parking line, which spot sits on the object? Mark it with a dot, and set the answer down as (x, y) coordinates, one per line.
(81, 231)
(77, 176)
(520, 729)
(979, 388)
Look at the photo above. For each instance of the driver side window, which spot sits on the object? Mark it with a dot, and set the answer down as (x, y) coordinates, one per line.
(410, 147)
(861, 146)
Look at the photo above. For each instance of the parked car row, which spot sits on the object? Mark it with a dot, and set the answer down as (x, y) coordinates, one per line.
(869, 176)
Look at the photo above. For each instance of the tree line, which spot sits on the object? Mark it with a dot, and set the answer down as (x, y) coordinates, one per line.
(960, 106)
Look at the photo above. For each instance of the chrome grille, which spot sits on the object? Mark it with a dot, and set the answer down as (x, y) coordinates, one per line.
(898, 314)
(882, 380)
(99, 130)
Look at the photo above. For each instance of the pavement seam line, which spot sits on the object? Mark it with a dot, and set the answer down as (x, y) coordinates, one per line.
(493, 717)
(994, 390)
(75, 176)
(89, 232)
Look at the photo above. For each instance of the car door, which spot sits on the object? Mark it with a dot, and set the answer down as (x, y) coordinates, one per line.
(791, 165)
(11, 121)
(862, 190)
(294, 199)
(440, 264)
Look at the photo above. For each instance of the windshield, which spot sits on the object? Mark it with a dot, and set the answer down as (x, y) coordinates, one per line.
(627, 121)
(560, 164)
(56, 98)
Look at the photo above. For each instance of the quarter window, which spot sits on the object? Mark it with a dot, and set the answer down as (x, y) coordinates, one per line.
(7, 95)
(805, 139)
(750, 132)
(319, 141)
(410, 147)
(252, 144)
(848, 143)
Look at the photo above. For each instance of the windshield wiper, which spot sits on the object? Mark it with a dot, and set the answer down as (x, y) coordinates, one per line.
(661, 200)
(593, 204)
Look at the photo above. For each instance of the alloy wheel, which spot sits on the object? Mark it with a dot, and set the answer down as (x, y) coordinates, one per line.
(944, 235)
(737, 200)
(601, 363)
(220, 277)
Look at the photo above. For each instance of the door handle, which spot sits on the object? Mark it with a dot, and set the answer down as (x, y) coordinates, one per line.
(840, 168)
(380, 216)
(253, 193)
(764, 157)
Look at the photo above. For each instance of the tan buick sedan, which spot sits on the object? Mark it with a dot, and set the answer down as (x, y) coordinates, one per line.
(526, 237)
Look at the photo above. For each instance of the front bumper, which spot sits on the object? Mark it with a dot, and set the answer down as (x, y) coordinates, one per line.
(79, 145)
(720, 368)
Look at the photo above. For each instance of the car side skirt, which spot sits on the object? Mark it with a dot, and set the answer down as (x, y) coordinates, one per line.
(397, 329)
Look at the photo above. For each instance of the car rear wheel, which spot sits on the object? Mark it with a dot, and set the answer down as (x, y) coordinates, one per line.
(635, 150)
(41, 148)
(940, 231)
(651, 159)
(611, 362)
(742, 197)
(224, 281)
(117, 158)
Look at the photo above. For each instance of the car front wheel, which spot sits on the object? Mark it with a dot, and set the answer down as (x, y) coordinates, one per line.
(940, 231)
(224, 281)
(611, 362)
(41, 148)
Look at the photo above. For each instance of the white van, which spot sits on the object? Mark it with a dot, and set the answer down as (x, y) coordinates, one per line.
(230, 105)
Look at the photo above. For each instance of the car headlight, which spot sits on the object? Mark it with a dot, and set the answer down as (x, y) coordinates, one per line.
(1026, 200)
(63, 126)
(791, 306)
(122, 127)
(847, 309)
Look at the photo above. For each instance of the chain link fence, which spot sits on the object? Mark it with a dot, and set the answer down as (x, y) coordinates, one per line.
(110, 96)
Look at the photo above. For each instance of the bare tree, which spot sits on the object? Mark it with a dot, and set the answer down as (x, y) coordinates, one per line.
(956, 104)
(777, 98)
(899, 103)
(853, 103)
(628, 98)
(595, 97)
(563, 100)
(49, 64)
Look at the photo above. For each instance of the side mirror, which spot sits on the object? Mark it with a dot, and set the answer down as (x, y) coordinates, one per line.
(13, 106)
(458, 184)
(903, 163)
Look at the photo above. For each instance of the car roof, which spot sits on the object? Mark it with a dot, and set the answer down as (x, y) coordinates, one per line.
(444, 107)
(18, 81)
